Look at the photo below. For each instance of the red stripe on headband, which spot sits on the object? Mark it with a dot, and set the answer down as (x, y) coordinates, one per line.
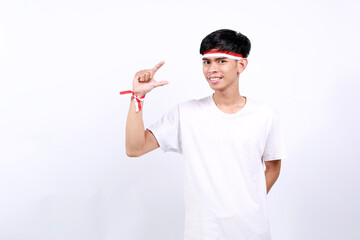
(224, 52)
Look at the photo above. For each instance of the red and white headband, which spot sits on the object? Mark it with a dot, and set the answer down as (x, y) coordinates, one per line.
(215, 53)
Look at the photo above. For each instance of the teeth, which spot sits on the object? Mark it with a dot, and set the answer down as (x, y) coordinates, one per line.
(214, 79)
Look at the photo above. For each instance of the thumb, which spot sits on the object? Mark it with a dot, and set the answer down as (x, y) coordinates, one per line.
(160, 83)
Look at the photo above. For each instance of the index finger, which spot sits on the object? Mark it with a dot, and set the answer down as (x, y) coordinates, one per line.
(158, 66)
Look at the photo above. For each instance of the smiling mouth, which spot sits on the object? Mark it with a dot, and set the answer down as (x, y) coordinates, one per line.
(215, 79)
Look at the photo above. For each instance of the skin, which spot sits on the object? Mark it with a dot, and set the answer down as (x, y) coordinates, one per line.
(222, 74)
(272, 173)
(227, 96)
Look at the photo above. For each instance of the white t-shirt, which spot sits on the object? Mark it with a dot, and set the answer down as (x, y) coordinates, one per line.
(225, 187)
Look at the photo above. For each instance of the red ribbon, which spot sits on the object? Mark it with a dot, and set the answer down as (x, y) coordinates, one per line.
(137, 99)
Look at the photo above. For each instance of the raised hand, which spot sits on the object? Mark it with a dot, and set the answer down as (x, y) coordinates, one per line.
(144, 80)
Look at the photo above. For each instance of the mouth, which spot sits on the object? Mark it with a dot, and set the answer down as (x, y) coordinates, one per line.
(215, 79)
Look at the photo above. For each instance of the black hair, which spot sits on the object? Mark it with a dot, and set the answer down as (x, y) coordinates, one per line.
(226, 40)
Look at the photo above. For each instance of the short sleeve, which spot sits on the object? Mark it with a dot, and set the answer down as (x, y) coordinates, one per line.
(167, 131)
(274, 146)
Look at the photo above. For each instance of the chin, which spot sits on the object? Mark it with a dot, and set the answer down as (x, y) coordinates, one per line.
(215, 88)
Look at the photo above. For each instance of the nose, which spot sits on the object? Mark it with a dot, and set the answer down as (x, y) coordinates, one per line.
(212, 68)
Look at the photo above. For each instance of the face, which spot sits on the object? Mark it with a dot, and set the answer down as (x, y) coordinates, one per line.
(222, 73)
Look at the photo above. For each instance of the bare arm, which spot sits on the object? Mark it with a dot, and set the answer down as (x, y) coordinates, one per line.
(272, 172)
(139, 141)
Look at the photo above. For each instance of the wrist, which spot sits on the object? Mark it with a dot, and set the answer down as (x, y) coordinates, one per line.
(137, 99)
(139, 94)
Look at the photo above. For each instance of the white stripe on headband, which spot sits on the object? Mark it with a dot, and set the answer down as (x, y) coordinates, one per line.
(223, 54)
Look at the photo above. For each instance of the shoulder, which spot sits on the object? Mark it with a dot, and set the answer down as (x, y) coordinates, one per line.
(262, 108)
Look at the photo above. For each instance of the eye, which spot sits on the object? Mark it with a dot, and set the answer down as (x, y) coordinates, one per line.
(222, 61)
(206, 62)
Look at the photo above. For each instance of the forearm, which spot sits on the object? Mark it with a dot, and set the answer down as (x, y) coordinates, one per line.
(272, 173)
(271, 178)
(135, 131)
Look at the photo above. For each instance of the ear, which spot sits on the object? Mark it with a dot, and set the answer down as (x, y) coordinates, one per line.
(241, 65)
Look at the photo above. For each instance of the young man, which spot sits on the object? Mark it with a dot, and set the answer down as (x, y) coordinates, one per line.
(225, 138)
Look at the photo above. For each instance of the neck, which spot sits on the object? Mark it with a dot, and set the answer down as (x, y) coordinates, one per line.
(229, 100)
(226, 98)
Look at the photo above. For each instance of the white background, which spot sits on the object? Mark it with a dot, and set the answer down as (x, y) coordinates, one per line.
(64, 173)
